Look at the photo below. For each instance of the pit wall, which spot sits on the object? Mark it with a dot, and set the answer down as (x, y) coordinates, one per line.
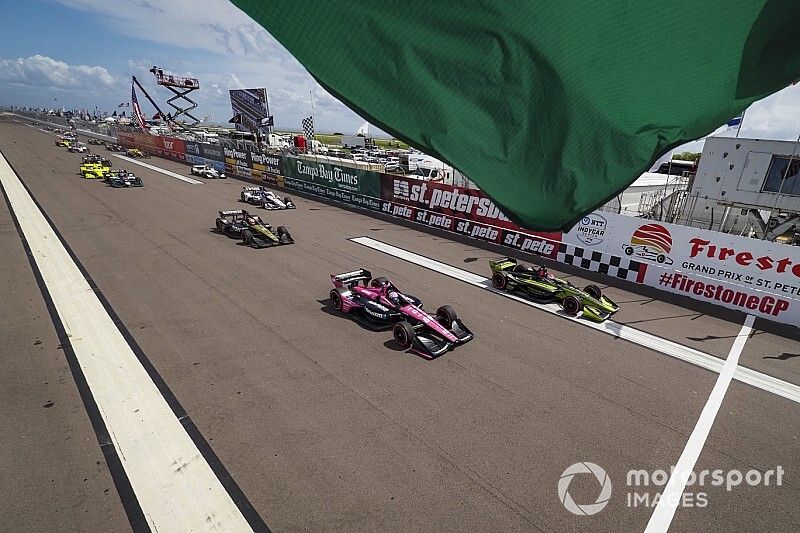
(756, 277)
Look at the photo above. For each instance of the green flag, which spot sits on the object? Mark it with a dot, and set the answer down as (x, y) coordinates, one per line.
(551, 107)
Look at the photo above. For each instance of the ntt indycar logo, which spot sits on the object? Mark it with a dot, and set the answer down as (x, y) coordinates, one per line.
(644, 488)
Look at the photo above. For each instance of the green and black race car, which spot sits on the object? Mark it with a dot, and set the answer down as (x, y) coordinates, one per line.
(239, 224)
(542, 287)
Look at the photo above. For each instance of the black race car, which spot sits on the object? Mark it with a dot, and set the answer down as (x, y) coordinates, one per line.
(94, 158)
(123, 178)
(239, 224)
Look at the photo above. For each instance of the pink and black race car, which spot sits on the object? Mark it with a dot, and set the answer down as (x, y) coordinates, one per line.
(378, 305)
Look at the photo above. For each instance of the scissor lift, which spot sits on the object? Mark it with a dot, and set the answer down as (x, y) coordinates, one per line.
(181, 87)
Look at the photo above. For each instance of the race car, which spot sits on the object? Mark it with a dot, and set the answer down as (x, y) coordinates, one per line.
(252, 195)
(94, 141)
(95, 158)
(379, 305)
(135, 152)
(111, 147)
(272, 201)
(94, 170)
(205, 171)
(542, 287)
(123, 178)
(77, 147)
(265, 198)
(239, 224)
(63, 142)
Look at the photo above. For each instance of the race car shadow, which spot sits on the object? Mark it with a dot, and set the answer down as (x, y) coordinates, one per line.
(238, 242)
(391, 343)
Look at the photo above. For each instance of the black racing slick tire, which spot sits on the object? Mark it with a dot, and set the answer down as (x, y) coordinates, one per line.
(247, 237)
(499, 281)
(287, 200)
(377, 282)
(403, 334)
(337, 300)
(220, 226)
(283, 234)
(572, 305)
(593, 291)
(446, 315)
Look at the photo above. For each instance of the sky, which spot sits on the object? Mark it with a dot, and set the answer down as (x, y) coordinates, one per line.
(83, 52)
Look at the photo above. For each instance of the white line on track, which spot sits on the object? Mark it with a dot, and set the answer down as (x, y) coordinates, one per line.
(174, 485)
(668, 503)
(159, 169)
(648, 340)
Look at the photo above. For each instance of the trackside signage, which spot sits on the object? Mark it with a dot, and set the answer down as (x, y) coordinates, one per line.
(462, 210)
(351, 180)
(750, 275)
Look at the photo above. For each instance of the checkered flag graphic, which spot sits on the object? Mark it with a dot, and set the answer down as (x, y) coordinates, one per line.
(308, 127)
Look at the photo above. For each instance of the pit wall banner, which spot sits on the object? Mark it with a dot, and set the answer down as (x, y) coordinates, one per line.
(465, 211)
(757, 277)
(346, 179)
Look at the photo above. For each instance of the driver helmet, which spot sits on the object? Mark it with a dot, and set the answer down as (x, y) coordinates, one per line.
(542, 272)
(394, 297)
(251, 219)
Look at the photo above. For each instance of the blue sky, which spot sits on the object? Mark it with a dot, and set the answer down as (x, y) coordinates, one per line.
(83, 52)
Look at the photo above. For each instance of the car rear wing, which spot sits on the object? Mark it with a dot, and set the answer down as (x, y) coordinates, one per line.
(252, 189)
(233, 212)
(502, 263)
(351, 278)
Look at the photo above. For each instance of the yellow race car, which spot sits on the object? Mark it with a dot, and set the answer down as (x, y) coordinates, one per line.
(135, 152)
(63, 142)
(94, 170)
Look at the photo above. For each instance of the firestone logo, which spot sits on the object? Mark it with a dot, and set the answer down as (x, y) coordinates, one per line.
(742, 258)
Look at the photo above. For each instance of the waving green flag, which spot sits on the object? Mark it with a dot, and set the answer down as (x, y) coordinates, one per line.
(551, 107)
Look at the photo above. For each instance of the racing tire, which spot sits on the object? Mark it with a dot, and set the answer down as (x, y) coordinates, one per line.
(337, 301)
(499, 281)
(377, 282)
(287, 201)
(572, 305)
(283, 234)
(247, 237)
(220, 226)
(403, 334)
(446, 315)
(593, 291)
(629, 250)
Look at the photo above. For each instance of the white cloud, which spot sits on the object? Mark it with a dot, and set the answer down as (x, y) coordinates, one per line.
(212, 25)
(42, 71)
(227, 50)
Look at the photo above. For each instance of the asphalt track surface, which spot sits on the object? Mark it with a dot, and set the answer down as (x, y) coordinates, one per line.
(325, 425)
